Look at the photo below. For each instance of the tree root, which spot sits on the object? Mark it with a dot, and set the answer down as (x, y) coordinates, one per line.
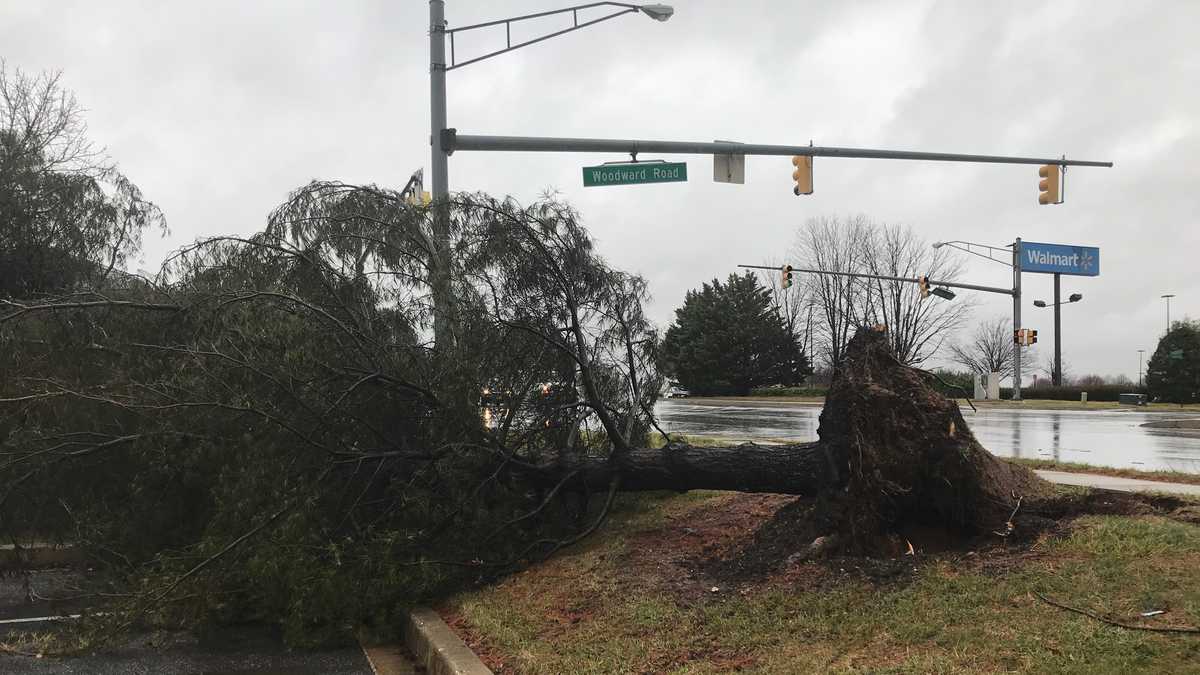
(1119, 624)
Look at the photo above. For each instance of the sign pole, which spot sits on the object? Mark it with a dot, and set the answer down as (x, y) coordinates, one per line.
(1016, 395)
(1057, 330)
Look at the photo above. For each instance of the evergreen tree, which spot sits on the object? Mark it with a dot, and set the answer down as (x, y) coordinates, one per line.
(727, 339)
(1173, 373)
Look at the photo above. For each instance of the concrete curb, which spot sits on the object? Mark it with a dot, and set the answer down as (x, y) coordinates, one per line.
(388, 660)
(438, 648)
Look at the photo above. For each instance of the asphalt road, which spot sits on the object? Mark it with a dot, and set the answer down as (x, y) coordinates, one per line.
(242, 650)
(1103, 437)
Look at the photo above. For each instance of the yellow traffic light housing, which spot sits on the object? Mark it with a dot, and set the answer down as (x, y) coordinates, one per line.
(1048, 187)
(421, 198)
(785, 276)
(803, 175)
(923, 284)
(1025, 337)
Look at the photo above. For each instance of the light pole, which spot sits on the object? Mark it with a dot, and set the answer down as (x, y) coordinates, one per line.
(1168, 297)
(439, 171)
(1056, 379)
(438, 66)
(1140, 353)
(1013, 261)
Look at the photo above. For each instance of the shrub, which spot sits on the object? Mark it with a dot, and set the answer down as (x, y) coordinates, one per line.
(1106, 392)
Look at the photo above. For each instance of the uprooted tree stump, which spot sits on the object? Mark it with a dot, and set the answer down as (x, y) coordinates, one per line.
(892, 451)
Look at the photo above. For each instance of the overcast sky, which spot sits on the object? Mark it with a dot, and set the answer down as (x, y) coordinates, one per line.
(218, 109)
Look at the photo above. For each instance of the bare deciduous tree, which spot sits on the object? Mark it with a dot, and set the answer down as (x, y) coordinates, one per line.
(68, 218)
(842, 303)
(916, 326)
(989, 349)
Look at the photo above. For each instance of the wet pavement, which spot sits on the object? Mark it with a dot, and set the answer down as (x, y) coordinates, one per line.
(1103, 437)
(239, 650)
(244, 652)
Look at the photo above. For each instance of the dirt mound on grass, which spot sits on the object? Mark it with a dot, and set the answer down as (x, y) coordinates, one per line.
(784, 540)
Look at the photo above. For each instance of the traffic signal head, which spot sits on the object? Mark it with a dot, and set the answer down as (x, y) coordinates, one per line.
(1018, 336)
(923, 284)
(1032, 338)
(785, 276)
(803, 174)
(1048, 187)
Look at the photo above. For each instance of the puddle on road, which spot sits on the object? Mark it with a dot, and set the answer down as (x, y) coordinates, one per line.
(1103, 438)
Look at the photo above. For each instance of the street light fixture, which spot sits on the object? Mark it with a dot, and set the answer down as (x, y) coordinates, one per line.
(1168, 297)
(438, 67)
(1075, 297)
(658, 12)
(944, 293)
(1057, 304)
(1007, 256)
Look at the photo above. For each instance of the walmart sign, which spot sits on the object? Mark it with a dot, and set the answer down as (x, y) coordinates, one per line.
(1060, 259)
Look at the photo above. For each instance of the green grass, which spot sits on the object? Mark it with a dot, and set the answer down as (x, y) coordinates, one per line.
(586, 612)
(1076, 467)
(1048, 404)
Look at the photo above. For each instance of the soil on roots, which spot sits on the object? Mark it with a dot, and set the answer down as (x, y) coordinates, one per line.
(780, 546)
(908, 457)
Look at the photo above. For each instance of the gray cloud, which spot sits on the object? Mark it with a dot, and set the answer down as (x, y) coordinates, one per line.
(218, 109)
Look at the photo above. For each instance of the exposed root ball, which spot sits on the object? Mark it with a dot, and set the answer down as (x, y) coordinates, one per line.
(908, 453)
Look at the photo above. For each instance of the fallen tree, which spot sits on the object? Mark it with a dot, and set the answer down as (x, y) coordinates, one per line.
(892, 450)
(267, 430)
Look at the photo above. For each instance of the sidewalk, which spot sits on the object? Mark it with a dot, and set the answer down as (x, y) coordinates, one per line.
(1118, 483)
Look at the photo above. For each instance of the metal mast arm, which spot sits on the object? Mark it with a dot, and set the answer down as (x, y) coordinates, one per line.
(454, 141)
(509, 46)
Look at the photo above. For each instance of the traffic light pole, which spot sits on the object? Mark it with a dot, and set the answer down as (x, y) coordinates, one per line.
(1057, 331)
(452, 141)
(1016, 295)
(1015, 292)
(440, 282)
(912, 280)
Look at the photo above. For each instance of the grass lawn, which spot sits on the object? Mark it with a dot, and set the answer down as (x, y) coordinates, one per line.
(649, 593)
(1076, 467)
(1046, 404)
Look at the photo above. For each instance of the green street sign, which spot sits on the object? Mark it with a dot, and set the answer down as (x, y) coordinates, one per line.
(634, 173)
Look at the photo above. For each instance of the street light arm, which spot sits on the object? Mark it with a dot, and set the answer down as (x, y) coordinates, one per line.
(966, 248)
(626, 8)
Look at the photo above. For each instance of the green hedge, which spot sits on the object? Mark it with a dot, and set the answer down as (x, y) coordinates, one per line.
(1105, 392)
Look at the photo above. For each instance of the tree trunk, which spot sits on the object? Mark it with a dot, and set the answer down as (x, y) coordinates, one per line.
(892, 450)
(804, 469)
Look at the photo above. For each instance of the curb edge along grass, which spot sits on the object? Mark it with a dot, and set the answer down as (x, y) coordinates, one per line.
(438, 648)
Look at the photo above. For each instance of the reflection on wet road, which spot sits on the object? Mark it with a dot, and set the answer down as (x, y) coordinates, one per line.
(1105, 438)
